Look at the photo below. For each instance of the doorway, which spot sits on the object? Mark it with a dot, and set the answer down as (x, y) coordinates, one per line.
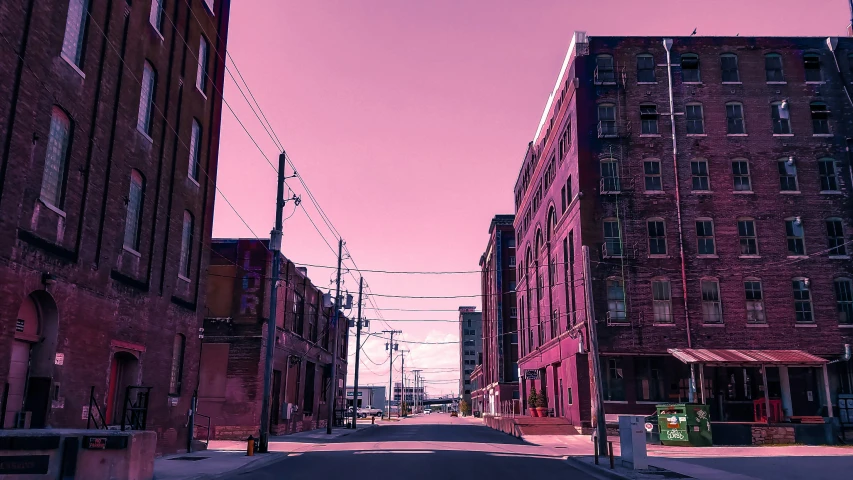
(123, 373)
(805, 398)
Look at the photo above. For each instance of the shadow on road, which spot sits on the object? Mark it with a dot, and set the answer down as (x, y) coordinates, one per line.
(458, 432)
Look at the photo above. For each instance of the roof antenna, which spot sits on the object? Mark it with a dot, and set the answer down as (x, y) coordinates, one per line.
(694, 32)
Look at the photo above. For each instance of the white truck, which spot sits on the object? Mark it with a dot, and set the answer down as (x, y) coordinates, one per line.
(369, 411)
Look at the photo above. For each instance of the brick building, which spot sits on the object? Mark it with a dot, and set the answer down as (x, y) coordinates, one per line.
(110, 132)
(729, 229)
(500, 324)
(232, 356)
(470, 348)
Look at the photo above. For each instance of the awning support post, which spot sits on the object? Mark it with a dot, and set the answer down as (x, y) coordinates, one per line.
(691, 392)
(766, 392)
(826, 391)
(702, 382)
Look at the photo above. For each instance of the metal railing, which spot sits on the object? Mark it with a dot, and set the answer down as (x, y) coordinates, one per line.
(197, 425)
(99, 422)
(135, 414)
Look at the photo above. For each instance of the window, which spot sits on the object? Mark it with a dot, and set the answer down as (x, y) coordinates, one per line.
(56, 158)
(820, 118)
(609, 176)
(728, 62)
(740, 173)
(75, 29)
(690, 68)
(754, 301)
(835, 236)
(844, 300)
(146, 99)
(651, 168)
(787, 175)
(513, 312)
(614, 384)
(773, 67)
(828, 177)
(795, 234)
(615, 300)
(612, 240)
(186, 244)
(811, 63)
(604, 72)
(209, 4)
(156, 14)
(780, 115)
(657, 236)
(563, 199)
(705, 237)
(195, 150)
(134, 210)
(712, 308)
(569, 194)
(695, 119)
(661, 301)
(734, 119)
(177, 373)
(606, 120)
(649, 119)
(201, 75)
(511, 261)
(645, 68)
(699, 169)
(802, 300)
(651, 385)
(748, 240)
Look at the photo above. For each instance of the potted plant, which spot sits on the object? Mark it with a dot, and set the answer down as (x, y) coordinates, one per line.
(542, 405)
(532, 399)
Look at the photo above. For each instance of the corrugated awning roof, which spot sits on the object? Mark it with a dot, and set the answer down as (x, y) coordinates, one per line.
(745, 357)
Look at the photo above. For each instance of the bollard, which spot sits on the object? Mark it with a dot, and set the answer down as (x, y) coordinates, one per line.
(250, 446)
(595, 448)
(610, 452)
(373, 420)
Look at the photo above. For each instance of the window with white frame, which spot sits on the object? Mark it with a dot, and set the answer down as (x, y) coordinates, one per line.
(754, 301)
(612, 238)
(747, 237)
(201, 75)
(740, 175)
(195, 150)
(609, 176)
(75, 29)
(844, 300)
(705, 236)
(604, 72)
(781, 117)
(712, 307)
(728, 63)
(146, 99)
(788, 175)
(699, 173)
(734, 119)
(802, 300)
(651, 170)
(795, 236)
(690, 68)
(56, 158)
(662, 301)
(645, 68)
(657, 236)
(616, 300)
(820, 118)
(773, 67)
(835, 237)
(186, 244)
(156, 15)
(606, 120)
(133, 219)
(828, 175)
(811, 64)
(648, 119)
(695, 119)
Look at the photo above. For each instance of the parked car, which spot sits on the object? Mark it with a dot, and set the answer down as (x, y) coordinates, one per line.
(454, 414)
(368, 411)
(427, 411)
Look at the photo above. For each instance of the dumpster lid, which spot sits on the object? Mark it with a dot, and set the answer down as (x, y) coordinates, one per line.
(745, 357)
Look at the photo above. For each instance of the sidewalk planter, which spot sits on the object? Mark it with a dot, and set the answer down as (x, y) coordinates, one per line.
(541, 412)
(684, 424)
(533, 412)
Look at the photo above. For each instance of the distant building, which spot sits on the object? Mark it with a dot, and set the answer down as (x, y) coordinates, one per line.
(470, 347)
(412, 394)
(499, 381)
(232, 355)
(369, 396)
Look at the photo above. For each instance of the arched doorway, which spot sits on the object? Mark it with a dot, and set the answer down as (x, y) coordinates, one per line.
(123, 372)
(31, 364)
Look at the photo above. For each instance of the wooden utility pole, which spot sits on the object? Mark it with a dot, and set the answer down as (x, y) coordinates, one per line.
(595, 361)
(357, 349)
(330, 402)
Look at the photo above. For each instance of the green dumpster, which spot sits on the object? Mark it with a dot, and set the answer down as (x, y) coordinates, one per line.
(684, 424)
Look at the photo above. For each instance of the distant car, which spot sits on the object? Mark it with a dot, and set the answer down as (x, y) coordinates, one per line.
(427, 411)
(454, 414)
(365, 412)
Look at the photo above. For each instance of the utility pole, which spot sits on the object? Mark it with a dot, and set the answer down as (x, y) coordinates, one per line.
(275, 251)
(595, 364)
(357, 348)
(390, 347)
(402, 383)
(418, 399)
(334, 329)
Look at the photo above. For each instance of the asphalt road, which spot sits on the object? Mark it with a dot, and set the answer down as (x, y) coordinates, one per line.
(430, 447)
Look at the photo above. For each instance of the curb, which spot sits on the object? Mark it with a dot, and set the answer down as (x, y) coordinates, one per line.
(269, 460)
(595, 472)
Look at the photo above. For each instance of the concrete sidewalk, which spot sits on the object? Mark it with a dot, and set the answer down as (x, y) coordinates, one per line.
(224, 458)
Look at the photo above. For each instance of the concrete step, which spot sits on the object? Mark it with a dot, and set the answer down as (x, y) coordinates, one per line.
(548, 430)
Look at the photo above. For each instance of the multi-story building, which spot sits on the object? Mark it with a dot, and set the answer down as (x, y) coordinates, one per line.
(710, 179)
(470, 348)
(234, 348)
(500, 317)
(111, 119)
(412, 394)
(370, 396)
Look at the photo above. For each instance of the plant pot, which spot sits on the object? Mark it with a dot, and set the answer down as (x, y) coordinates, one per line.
(541, 411)
(533, 412)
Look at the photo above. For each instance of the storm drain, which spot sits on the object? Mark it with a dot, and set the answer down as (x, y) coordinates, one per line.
(189, 459)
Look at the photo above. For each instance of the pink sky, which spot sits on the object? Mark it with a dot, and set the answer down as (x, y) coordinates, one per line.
(409, 120)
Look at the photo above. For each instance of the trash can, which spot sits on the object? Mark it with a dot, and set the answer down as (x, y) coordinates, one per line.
(684, 424)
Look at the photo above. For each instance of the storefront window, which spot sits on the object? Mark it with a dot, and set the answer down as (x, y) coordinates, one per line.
(651, 385)
(614, 381)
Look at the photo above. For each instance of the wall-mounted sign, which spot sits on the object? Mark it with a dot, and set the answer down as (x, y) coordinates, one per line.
(349, 394)
(531, 374)
(60, 359)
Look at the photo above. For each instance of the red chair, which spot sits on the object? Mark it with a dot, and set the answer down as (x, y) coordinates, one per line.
(759, 408)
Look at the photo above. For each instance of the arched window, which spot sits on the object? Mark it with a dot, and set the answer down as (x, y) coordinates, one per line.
(773, 68)
(652, 175)
(844, 300)
(690, 68)
(194, 164)
(802, 300)
(754, 300)
(604, 72)
(657, 236)
(645, 68)
(734, 119)
(177, 371)
(616, 312)
(146, 98)
(75, 30)
(662, 300)
(820, 118)
(728, 62)
(695, 119)
(811, 64)
(201, 74)
(606, 120)
(56, 159)
(133, 219)
(186, 244)
(740, 175)
(552, 223)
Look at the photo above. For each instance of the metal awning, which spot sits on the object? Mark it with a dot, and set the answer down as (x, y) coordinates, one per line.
(746, 357)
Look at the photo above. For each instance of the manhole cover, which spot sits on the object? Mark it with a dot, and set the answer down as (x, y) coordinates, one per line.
(189, 459)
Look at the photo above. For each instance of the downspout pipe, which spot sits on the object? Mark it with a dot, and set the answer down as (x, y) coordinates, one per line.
(667, 44)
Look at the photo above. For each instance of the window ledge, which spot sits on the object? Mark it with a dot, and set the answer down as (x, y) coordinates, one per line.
(649, 135)
(193, 180)
(839, 257)
(623, 402)
(658, 256)
(131, 251)
(805, 325)
(823, 135)
(749, 256)
(797, 256)
(691, 83)
(845, 325)
(707, 256)
(654, 192)
(647, 83)
(605, 83)
(73, 65)
(714, 325)
(663, 324)
(158, 32)
(144, 134)
(697, 134)
(821, 82)
(737, 134)
(701, 192)
(830, 192)
(743, 192)
(50, 206)
(777, 83)
(757, 325)
(732, 83)
(783, 134)
(610, 192)
(789, 192)
(611, 256)
(182, 277)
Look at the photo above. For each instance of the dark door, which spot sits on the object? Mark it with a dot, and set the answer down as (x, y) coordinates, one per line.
(38, 400)
(804, 394)
(276, 397)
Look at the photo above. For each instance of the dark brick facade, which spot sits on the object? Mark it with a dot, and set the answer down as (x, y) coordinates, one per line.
(232, 362)
(107, 315)
(569, 158)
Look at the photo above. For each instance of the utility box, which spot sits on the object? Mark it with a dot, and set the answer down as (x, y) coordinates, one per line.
(632, 441)
(684, 424)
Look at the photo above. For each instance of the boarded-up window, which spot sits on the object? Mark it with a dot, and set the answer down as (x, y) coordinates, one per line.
(213, 372)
